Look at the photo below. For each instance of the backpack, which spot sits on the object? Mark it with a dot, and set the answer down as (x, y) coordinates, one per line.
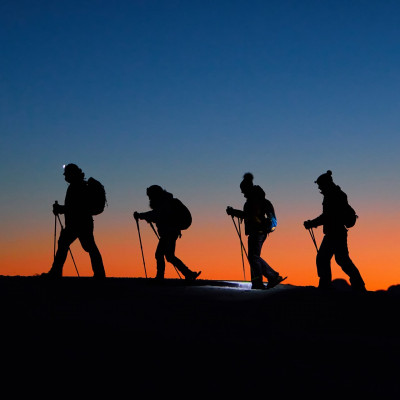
(182, 215)
(349, 217)
(97, 196)
(271, 221)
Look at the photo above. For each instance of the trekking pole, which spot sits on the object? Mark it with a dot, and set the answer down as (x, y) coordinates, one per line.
(241, 242)
(55, 236)
(313, 238)
(154, 230)
(69, 248)
(158, 237)
(241, 249)
(240, 238)
(141, 247)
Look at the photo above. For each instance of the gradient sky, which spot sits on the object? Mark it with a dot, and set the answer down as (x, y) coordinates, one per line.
(190, 95)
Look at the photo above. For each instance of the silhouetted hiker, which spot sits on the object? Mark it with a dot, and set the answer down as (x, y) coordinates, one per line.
(335, 207)
(166, 216)
(257, 214)
(78, 223)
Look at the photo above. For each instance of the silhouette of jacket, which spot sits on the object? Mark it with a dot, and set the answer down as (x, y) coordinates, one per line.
(333, 206)
(255, 210)
(76, 204)
(162, 214)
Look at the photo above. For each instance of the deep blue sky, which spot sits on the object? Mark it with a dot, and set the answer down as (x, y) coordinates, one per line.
(192, 94)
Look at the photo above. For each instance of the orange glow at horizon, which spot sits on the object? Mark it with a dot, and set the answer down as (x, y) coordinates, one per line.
(215, 250)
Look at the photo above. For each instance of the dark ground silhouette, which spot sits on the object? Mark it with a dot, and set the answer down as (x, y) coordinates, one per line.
(125, 336)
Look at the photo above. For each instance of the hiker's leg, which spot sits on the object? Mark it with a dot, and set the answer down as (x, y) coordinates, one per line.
(344, 261)
(67, 237)
(254, 245)
(88, 244)
(266, 269)
(160, 254)
(324, 257)
(172, 258)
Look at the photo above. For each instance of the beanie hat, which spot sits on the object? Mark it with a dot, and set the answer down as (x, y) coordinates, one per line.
(324, 178)
(247, 181)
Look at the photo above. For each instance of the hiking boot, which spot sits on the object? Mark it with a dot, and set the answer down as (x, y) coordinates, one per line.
(258, 286)
(192, 275)
(275, 281)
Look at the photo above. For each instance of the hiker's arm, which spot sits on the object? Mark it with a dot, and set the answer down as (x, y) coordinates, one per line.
(235, 213)
(147, 216)
(314, 223)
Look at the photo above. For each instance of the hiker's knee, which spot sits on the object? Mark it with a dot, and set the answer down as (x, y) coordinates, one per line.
(170, 257)
(254, 258)
(65, 239)
(323, 258)
(88, 244)
(90, 247)
(344, 261)
(159, 254)
(62, 242)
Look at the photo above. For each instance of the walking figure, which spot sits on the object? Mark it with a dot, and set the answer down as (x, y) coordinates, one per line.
(259, 217)
(167, 212)
(335, 212)
(77, 210)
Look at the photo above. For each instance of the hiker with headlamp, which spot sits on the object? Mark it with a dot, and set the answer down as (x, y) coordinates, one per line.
(78, 212)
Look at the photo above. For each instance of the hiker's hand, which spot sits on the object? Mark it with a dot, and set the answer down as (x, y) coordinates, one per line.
(308, 224)
(57, 209)
(229, 210)
(136, 215)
